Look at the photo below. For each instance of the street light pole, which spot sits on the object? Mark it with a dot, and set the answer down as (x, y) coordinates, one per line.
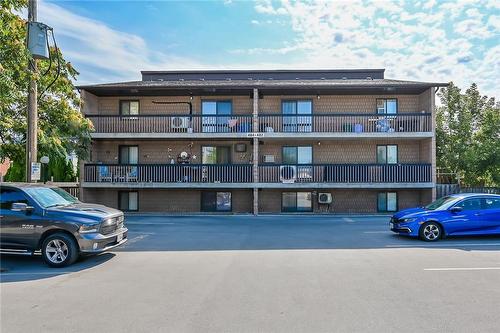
(31, 135)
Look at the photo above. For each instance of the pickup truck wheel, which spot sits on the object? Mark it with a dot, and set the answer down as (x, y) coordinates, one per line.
(59, 250)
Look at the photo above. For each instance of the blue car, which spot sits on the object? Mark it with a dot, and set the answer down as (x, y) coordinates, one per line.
(453, 215)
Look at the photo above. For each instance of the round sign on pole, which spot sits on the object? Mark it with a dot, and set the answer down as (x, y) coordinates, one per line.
(44, 159)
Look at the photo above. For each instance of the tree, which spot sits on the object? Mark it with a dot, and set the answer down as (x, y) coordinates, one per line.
(62, 129)
(468, 135)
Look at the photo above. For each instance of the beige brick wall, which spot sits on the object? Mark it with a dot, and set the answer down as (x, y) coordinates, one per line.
(161, 151)
(344, 200)
(351, 151)
(342, 103)
(189, 201)
(110, 105)
(268, 104)
(170, 200)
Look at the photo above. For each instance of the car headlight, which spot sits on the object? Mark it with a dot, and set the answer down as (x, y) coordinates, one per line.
(407, 220)
(89, 228)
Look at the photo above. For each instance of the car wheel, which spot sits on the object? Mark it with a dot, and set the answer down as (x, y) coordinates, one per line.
(59, 250)
(430, 232)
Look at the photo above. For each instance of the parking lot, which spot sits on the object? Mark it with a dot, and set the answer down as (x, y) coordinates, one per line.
(261, 274)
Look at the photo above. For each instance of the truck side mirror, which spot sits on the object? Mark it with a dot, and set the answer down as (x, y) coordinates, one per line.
(22, 207)
(456, 209)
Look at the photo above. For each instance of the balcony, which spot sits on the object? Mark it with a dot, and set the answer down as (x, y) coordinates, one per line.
(241, 176)
(167, 175)
(231, 126)
(170, 126)
(347, 125)
(347, 175)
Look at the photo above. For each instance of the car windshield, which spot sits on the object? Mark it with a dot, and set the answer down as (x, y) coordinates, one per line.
(440, 202)
(50, 197)
(64, 194)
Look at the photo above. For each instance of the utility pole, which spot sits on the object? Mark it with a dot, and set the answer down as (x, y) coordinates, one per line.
(31, 135)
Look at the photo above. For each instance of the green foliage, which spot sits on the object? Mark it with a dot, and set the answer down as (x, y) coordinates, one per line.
(62, 129)
(468, 136)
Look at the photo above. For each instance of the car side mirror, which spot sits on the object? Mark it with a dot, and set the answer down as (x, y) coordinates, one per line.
(22, 207)
(456, 209)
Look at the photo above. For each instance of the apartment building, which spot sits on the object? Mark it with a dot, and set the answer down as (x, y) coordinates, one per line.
(261, 141)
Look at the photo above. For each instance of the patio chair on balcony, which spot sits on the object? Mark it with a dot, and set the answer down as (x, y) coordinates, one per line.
(104, 174)
(131, 175)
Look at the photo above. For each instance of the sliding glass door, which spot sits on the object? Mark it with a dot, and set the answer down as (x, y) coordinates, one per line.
(297, 115)
(214, 112)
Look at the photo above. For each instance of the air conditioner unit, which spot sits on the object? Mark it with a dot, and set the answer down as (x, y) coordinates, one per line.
(288, 173)
(268, 158)
(324, 198)
(180, 122)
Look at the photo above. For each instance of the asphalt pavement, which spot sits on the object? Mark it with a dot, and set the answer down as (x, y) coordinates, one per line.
(261, 274)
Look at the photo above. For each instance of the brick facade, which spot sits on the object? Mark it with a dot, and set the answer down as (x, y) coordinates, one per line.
(348, 147)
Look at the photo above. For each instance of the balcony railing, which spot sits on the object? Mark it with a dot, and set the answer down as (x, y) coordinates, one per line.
(168, 173)
(242, 173)
(316, 123)
(171, 123)
(346, 173)
(337, 123)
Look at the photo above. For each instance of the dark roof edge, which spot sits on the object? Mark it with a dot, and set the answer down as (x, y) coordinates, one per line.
(389, 85)
(241, 71)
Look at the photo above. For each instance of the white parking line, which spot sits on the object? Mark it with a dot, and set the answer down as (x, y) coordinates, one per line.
(443, 245)
(149, 223)
(463, 269)
(348, 220)
(37, 273)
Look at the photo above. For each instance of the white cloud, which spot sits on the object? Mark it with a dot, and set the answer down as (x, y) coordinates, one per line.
(410, 45)
(94, 44)
(413, 45)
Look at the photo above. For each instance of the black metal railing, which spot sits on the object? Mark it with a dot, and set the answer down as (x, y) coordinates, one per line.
(316, 123)
(242, 173)
(168, 173)
(346, 173)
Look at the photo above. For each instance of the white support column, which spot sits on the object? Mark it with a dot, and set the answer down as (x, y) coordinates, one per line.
(255, 154)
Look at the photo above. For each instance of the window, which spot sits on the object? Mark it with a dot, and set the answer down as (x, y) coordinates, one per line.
(10, 196)
(128, 201)
(297, 115)
(128, 155)
(387, 106)
(128, 108)
(213, 120)
(470, 204)
(387, 154)
(215, 155)
(296, 202)
(212, 201)
(387, 202)
(491, 203)
(297, 155)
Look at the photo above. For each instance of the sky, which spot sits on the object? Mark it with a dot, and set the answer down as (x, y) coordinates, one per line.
(431, 40)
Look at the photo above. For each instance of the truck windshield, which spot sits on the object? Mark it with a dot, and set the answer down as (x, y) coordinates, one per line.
(440, 202)
(49, 197)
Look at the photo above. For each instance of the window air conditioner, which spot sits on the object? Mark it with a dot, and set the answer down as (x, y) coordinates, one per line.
(268, 158)
(325, 198)
(288, 173)
(180, 122)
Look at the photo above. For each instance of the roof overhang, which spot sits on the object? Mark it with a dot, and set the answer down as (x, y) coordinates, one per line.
(263, 90)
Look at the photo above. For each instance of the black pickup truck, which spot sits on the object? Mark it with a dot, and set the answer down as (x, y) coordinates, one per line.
(42, 217)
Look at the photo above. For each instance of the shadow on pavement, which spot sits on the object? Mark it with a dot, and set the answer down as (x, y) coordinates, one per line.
(17, 268)
(219, 233)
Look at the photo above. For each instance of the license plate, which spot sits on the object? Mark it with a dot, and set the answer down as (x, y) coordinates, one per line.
(119, 238)
(391, 225)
